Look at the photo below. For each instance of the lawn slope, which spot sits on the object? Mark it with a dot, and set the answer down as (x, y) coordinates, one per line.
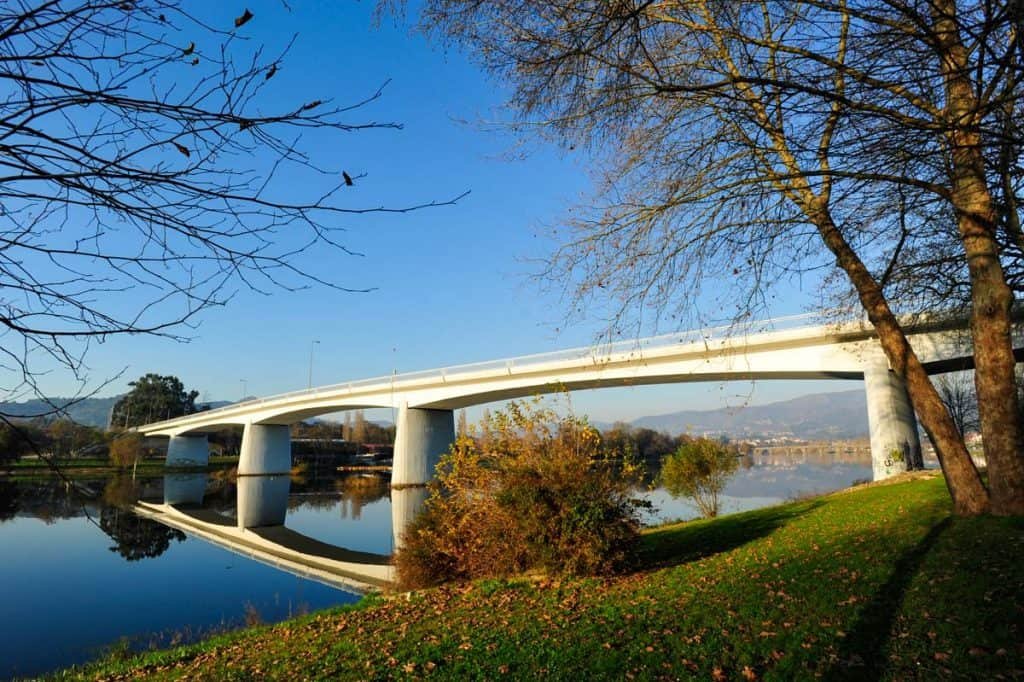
(877, 583)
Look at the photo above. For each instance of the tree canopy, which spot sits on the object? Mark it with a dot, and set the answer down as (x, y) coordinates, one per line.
(699, 470)
(153, 397)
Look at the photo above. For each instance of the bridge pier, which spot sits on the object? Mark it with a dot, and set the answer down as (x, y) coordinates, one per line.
(406, 505)
(266, 449)
(895, 446)
(421, 437)
(188, 451)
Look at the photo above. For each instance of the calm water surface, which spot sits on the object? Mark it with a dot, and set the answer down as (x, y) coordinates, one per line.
(79, 573)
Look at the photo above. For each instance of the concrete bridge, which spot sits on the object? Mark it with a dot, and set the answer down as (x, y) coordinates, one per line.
(425, 401)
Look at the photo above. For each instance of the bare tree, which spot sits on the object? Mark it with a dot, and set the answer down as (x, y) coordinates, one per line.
(957, 392)
(147, 172)
(739, 138)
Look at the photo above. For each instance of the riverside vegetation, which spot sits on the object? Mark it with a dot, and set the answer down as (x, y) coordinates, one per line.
(529, 489)
(877, 582)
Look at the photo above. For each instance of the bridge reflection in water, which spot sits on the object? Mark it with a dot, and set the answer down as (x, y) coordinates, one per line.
(258, 530)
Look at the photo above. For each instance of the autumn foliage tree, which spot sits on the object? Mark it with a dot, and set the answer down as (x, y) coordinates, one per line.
(746, 142)
(530, 489)
(126, 450)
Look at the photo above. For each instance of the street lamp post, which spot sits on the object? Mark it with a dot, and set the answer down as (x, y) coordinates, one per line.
(245, 383)
(312, 344)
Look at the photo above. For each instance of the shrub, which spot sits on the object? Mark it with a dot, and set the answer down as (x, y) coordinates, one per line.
(699, 470)
(528, 492)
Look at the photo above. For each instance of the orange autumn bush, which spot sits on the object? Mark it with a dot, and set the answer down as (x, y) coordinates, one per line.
(527, 489)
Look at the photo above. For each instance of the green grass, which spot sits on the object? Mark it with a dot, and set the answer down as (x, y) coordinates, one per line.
(879, 583)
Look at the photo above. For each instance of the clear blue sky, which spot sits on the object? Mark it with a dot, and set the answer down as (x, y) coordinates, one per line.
(452, 283)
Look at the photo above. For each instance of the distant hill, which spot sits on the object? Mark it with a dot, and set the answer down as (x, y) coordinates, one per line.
(822, 415)
(818, 416)
(90, 411)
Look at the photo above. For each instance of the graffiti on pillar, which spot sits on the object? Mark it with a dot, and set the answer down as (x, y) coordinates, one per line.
(905, 454)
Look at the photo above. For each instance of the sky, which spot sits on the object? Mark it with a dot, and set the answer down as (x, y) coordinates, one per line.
(451, 284)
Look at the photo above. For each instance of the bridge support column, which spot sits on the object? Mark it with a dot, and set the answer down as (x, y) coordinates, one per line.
(895, 446)
(188, 451)
(421, 437)
(406, 505)
(266, 449)
(185, 488)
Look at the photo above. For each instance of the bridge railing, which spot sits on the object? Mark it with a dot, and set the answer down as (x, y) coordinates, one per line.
(598, 353)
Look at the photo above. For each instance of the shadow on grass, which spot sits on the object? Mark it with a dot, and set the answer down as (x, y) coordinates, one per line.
(695, 540)
(862, 654)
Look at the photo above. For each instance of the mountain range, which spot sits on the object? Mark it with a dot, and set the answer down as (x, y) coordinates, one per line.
(88, 411)
(818, 416)
(812, 417)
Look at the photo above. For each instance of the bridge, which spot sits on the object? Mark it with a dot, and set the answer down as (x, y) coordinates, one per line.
(786, 348)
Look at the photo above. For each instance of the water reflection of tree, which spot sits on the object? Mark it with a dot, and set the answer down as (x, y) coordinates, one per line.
(50, 501)
(8, 500)
(359, 491)
(320, 501)
(120, 491)
(136, 538)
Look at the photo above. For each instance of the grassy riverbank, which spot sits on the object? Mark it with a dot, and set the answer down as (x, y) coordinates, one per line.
(27, 468)
(879, 582)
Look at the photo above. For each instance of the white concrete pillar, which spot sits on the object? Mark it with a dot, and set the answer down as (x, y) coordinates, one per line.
(895, 446)
(262, 500)
(188, 451)
(421, 437)
(184, 488)
(406, 505)
(266, 449)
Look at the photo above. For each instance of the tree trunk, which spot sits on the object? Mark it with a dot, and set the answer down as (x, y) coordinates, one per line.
(965, 487)
(991, 301)
(991, 298)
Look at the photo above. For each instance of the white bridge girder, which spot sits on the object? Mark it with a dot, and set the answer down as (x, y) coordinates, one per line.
(810, 353)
